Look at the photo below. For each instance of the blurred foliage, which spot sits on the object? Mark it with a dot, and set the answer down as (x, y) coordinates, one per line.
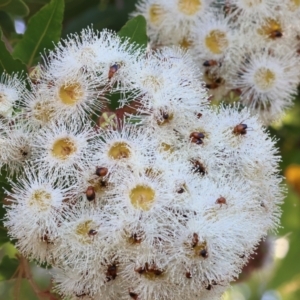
(14, 7)
(7, 63)
(278, 278)
(135, 29)
(43, 29)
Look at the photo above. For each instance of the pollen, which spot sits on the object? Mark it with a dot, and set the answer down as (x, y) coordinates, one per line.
(196, 250)
(216, 41)
(100, 185)
(166, 118)
(119, 150)
(264, 78)
(152, 82)
(63, 148)
(251, 3)
(295, 3)
(142, 197)
(271, 29)
(82, 231)
(199, 248)
(189, 7)
(42, 111)
(71, 94)
(185, 43)
(156, 13)
(40, 199)
(166, 147)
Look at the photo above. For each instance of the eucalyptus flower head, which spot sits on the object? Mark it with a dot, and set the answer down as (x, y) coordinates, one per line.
(169, 200)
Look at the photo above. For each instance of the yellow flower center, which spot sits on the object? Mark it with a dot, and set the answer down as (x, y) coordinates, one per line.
(271, 29)
(167, 147)
(42, 111)
(294, 5)
(296, 2)
(142, 197)
(166, 118)
(216, 41)
(41, 199)
(119, 150)
(189, 7)
(70, 94)
(264, 78)
(251, 3)
(63, 148)
(82, 231)
(155, 14)
(185, 43)
(152, 82)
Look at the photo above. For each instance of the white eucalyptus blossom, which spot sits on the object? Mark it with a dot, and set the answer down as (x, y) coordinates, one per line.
(129, 146)
(12, 89)
(268, 81)
(35, 214)
(63, 149)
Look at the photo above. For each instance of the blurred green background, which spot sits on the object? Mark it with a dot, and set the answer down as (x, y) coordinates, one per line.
(274, 273)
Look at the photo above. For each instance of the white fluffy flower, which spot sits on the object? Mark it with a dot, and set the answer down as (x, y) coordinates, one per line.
(84, 236)
(38, 109)
(20, 145)
(267, 81)
(5, 150)
(35, 213)
(171, 17)
(16, 146)
(12, 90)
(162, 80)
(212, 36)
(128, 146)
(64, 148)
(93, 53)
(73, 95)
(252, 9)
(240, 131)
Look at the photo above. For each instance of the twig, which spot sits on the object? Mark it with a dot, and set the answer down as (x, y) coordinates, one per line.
(24, 271)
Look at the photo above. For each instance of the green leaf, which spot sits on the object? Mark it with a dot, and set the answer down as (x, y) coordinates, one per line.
(135, 30)
(7, 63)
(6, 23)
(14, 7)
(8, 267)
(114, 100)
(43, 29)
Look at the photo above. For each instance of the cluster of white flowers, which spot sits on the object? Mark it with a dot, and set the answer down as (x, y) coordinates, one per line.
(248, 50)
(166, 203)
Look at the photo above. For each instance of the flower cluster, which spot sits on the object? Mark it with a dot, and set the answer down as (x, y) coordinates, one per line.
(248, 50)
(167, 202)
